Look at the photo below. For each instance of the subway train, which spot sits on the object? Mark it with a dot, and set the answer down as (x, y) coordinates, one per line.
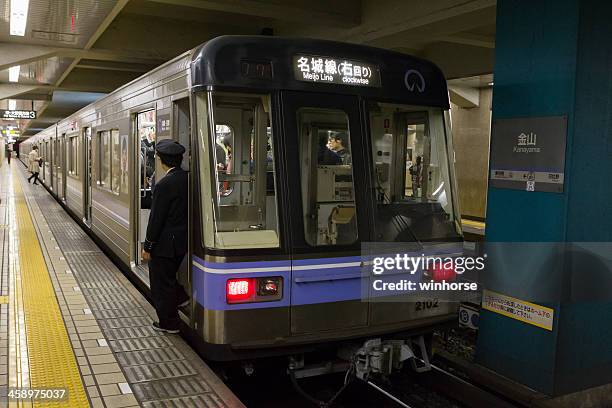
(278, 220)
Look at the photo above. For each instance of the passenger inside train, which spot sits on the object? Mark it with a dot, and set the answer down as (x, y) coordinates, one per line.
(146, 131)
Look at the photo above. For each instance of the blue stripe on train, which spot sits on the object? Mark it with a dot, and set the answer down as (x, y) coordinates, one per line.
(310, 286)
(319, 280)
(244, 265)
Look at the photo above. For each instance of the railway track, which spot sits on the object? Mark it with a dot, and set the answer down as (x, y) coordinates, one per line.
(441, 387)
(453, 382)
(464, 391)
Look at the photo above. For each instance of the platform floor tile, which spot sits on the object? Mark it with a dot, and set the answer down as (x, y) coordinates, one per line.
(70, 319)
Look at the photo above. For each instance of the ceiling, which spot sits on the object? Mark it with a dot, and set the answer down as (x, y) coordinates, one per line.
(74, 51)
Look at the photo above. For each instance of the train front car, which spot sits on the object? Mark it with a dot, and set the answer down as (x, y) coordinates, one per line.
(307, 151)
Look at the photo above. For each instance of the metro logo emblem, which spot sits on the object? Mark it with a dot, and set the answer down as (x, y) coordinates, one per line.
(413, 79)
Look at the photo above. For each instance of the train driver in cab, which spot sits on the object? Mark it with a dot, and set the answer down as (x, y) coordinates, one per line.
(166, 240)
(338, 142)
(326, 156)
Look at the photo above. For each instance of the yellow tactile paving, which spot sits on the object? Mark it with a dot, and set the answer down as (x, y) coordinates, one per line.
(4, 300)
(52, 363)
(18, 363)
(473, 224)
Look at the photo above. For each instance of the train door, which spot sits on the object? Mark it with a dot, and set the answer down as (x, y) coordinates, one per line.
(181, 131)
(145, 130)
(88, 177)
(42, 151)
(57, 166)
(52, 163)
(46, 157)
(329, 205)
(62, 167)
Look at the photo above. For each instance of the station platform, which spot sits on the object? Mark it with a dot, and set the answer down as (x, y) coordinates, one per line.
(70, 320)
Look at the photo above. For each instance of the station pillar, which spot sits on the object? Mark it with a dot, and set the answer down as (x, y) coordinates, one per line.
(553, 81)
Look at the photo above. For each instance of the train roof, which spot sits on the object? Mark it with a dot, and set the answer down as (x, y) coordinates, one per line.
(269, 63)
(219, 63)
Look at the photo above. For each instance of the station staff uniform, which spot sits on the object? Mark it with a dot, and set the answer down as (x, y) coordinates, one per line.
(166, 238)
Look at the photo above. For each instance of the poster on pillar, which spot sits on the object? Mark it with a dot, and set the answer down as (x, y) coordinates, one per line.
(528, 153)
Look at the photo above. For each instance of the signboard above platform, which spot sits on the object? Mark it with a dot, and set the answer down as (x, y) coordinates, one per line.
(17, 114)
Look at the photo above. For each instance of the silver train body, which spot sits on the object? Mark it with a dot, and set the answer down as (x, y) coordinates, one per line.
(277, 223)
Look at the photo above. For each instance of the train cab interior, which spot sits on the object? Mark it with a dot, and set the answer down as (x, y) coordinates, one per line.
(328, 199)
(414, 200)
(245, 211)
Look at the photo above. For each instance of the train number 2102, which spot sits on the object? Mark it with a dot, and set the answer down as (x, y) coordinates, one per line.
(429, 304)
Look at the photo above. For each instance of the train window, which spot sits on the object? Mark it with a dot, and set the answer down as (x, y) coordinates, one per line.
(47, 153)
(69, 156)
(104, 158)
(115, 162)
(245, 202)
(328, 200)
(73, 155)
(224, 139)
(112, 161)
(414, 188)
(123, 163)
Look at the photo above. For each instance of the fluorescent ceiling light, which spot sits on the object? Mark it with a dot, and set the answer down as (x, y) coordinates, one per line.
(19, 16)
(12, 104)
(14, 73)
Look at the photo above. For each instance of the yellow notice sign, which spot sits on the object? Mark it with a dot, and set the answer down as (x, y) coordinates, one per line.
(526, 312)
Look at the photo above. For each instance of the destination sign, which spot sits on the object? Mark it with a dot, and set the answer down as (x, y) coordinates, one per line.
(331, 70)
(17, 114)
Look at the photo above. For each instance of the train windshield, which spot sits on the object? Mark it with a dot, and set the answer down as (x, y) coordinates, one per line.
(412, 178)
(413, 173)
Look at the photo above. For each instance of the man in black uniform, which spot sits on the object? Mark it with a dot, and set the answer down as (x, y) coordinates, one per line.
(166, 241)
(338, 143)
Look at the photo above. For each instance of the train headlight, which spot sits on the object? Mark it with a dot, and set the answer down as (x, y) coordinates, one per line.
(268, 286)
(247, 290)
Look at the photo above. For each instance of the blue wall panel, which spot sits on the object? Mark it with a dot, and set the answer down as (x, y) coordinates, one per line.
(534, 76)
(554, 57)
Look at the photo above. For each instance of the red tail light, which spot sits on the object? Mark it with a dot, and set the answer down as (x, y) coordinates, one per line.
(439, 273)
(239, 290)
(244, 290)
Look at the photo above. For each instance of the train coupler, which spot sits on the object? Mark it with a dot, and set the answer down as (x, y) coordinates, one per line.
(384, 357)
